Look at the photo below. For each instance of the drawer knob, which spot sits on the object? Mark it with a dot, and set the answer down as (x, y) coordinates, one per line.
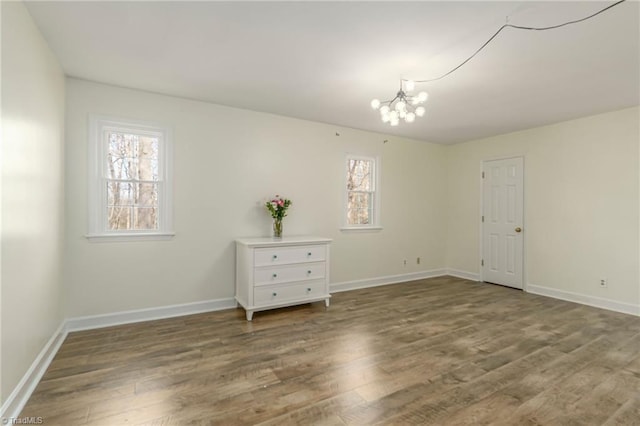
(308, 289)
(275, 256)
(274, 294)
(275, 275)
(308, 272)
(309, 254)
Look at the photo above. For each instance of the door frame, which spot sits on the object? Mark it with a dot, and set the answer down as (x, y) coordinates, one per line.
(524, 219)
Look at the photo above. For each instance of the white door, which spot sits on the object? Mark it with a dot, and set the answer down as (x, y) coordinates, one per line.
(502, 224)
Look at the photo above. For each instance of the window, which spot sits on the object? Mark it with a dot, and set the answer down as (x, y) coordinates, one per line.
(362, 199)
(130, 188)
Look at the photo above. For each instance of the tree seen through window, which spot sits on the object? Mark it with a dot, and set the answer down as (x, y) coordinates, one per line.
(132, 181)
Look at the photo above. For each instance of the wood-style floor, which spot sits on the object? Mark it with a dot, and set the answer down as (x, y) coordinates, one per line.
(441, 351)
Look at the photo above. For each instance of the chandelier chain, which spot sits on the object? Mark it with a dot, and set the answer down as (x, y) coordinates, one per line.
(518, 27)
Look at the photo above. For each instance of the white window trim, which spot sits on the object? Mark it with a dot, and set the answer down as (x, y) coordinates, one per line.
(377, 223)
(97, 191)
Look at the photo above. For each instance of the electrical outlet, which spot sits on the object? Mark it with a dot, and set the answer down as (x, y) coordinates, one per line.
(418, 260)
(603, 282)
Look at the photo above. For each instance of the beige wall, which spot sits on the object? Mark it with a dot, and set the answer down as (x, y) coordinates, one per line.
(227, 162)
(581, 204)
(32, 193)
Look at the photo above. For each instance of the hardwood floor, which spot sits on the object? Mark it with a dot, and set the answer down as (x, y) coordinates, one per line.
(442, 351)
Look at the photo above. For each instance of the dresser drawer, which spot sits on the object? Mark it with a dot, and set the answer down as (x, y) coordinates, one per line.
(288, 273)
(275, 294)
(283, 255)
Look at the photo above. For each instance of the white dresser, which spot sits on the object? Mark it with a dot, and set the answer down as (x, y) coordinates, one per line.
(276, 272)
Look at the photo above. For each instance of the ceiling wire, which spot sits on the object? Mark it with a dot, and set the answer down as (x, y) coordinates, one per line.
(517, 27)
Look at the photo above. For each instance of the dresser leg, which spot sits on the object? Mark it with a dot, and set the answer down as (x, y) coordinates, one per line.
(326, 303)
(249, 315)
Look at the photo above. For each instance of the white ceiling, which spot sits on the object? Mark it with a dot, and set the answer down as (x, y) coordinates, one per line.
(325, 61)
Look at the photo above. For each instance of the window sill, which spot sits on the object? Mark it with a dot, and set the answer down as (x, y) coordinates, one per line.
(361, 229)
(132, 236)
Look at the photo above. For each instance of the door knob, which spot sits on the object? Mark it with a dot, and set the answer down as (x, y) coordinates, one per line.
(518, 229)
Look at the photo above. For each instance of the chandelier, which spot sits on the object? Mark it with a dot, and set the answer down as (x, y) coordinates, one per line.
(404, 106)
(407, 106)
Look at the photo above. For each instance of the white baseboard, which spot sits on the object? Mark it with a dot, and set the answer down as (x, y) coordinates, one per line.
(390, 279)
(597, 302)
(149, 314)
(463, 274)
(22, 392)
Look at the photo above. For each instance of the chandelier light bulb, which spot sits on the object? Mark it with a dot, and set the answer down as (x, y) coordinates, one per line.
(405, 106)
(409, 85)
